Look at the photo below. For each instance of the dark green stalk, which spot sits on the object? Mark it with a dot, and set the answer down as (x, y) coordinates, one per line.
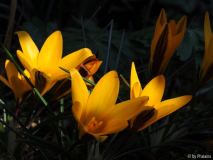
(88, 81)
(98, 35)
(108, 48)
(119, 52)
(82, 25)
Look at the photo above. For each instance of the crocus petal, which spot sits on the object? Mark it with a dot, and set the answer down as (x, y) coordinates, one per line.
(77, 110)
(146, 117)
(162, 18)
(154, 90)
(158, 32)
(80, 91)
(180, 31)
(161, 51)
(136, 91)
(207, 62)
(92, 80)
(4, 81)
(173, 27)
(25, 61)
(11, 70)
(134, 79)
(127, 109)
(41, 81)
(168, 106)
(50, 54)
(113, 126)
(103, 96)
(27, 73)
(18, 87)
(181, 25)
(28, 46)
(207, 30)
(92, 67)
(161, 22)
(100, 138)
(63, 89)
(72, 60)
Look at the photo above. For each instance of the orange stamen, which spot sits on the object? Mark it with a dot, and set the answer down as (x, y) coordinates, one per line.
(93, 125)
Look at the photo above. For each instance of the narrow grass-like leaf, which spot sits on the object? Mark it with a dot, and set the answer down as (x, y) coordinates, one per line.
(8, 149)
(183, 66)
(192, 123)
(110, 142)
(62, 111)
(192, 116)
(57, 134)
(48, 121)
(144, 70)
(46, 144)
(199, 131)
(14, 116)
(35, 129)
(140, 149)
(82, 25)
(98, 35)
(20, 136)
(119, 52)
(127, 84)
(86, 80)
(108, 48)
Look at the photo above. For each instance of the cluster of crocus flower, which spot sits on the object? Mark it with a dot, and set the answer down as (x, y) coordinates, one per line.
(97, 113)
(42, 68)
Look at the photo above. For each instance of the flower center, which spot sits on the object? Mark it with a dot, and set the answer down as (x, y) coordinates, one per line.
(93, 125)
(40, 81)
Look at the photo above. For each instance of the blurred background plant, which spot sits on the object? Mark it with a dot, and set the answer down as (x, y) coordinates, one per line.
(89, 24)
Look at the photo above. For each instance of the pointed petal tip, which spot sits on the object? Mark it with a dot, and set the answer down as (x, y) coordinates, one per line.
(73, 70)
(6, 62)
(112, 73)
(100, 138)
(160, 79)
(207, 13)
(20, 32)
(133, 63)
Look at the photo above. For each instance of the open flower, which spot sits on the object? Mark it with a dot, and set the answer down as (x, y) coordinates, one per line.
(206, 70)
(44, 65)
(97, 113)
(155, 108)
(16, 81)
(167, 38)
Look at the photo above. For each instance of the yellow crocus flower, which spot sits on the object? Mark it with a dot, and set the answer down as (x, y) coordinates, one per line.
(16, 81)
(97, 113)
(155, 108)
(206, 70)
(167, 38)
(44, 65)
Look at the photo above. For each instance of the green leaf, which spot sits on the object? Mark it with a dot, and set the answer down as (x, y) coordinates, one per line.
(42, 143)
(191, 38)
